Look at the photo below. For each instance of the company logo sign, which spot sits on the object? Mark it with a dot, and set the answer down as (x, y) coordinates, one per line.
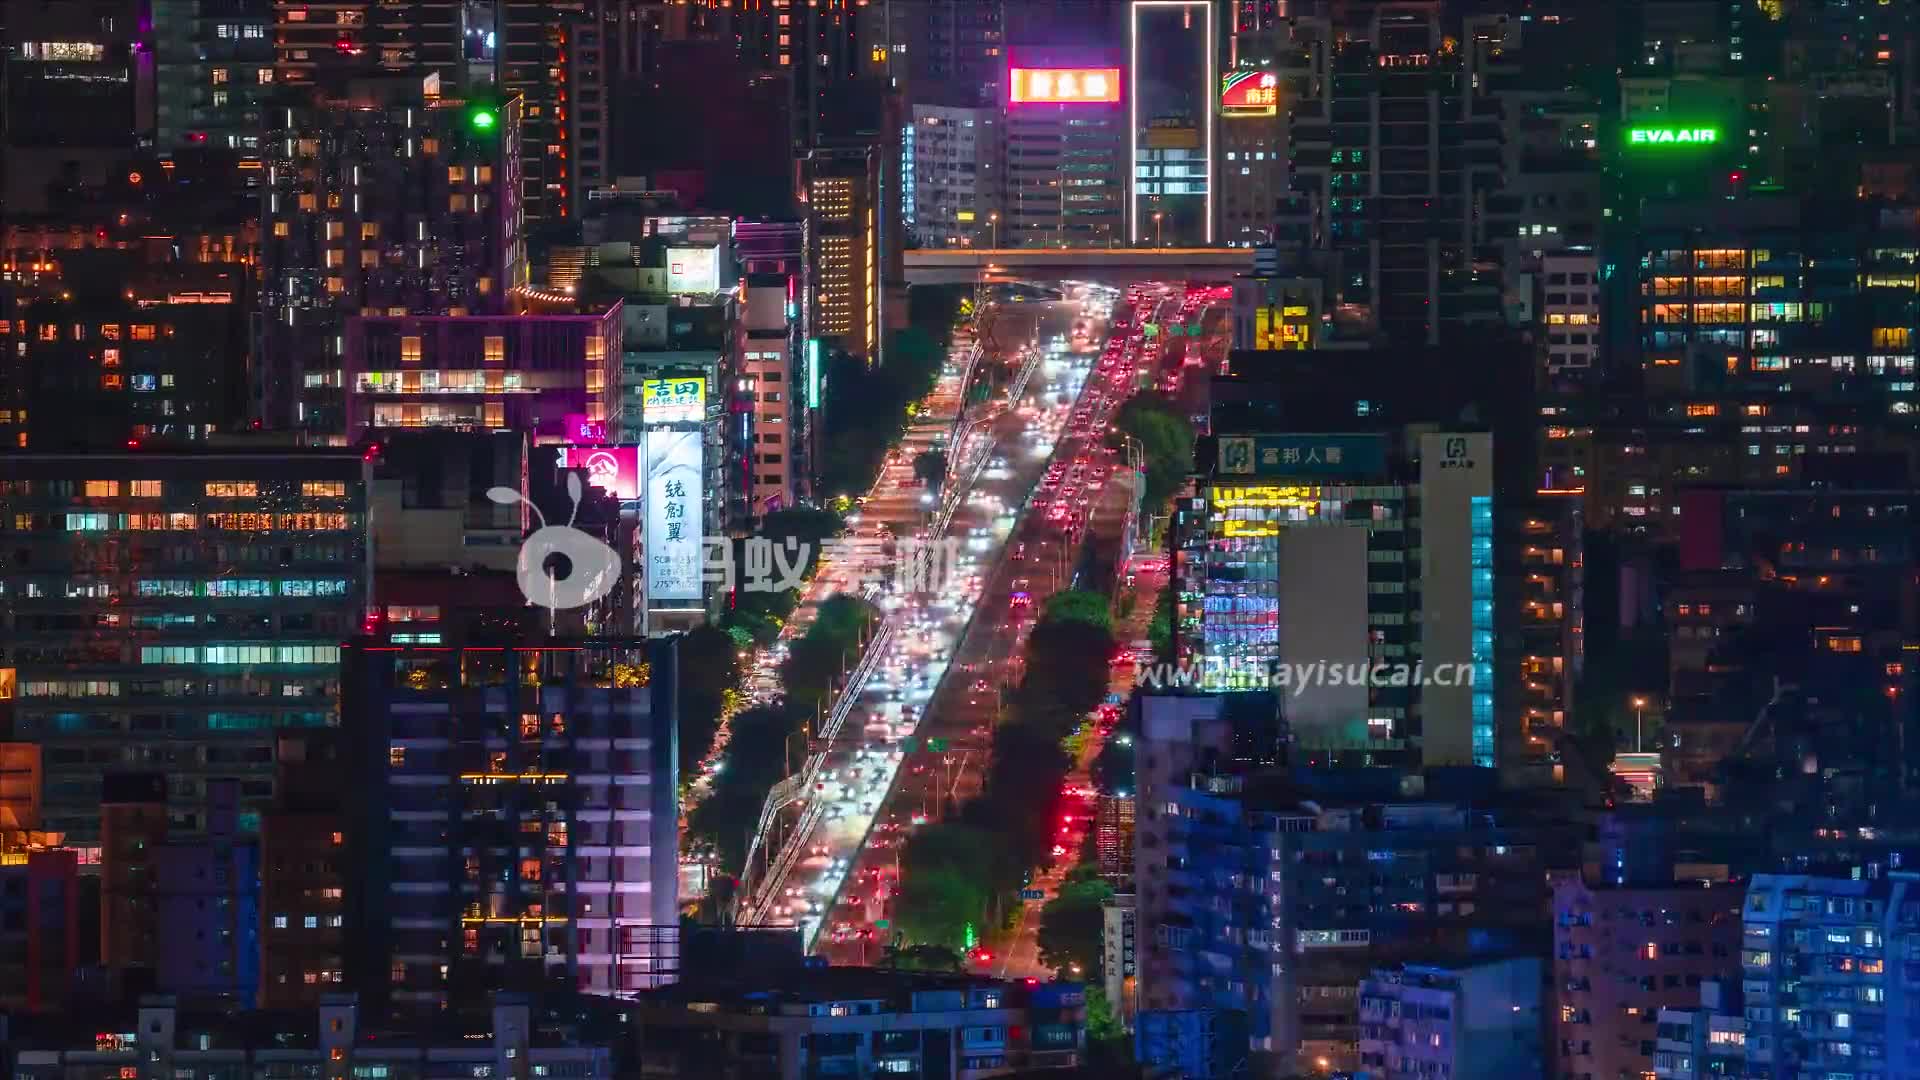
(1249, 93)
(614, 469)
(1672, 136)
(673, 401)
(1064, 86)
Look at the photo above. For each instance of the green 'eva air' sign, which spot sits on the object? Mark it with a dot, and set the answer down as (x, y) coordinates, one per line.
(1672, 136)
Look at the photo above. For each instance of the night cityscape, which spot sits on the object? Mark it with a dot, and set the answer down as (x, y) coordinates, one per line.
(949, 539)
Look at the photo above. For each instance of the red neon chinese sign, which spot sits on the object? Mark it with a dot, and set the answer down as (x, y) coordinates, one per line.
(1064, 86)
(1249, 93)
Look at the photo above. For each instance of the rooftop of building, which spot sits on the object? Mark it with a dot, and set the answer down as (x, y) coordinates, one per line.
(741, 991)
(558, 1021)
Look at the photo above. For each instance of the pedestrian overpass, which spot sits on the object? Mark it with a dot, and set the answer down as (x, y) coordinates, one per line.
(1109, 266)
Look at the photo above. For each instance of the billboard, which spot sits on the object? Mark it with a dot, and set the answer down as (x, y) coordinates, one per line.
(1250, 93)
(1671, 137)
(693, 269)
(673, 401)
(582, 430)
(1338, 455)
(675, 498)
(609, 468)
(1063, 86)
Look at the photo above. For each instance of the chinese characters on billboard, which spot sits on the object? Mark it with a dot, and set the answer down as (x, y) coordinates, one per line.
(1064, 86)
(675, 504)
(673, 401)
(1249, 93)
(582, 430)
(609, 468)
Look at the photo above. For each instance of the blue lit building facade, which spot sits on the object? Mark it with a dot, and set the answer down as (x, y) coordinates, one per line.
(167, 612)
(1268, 898)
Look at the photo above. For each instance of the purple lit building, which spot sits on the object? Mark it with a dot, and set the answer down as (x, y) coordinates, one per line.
(524, 372)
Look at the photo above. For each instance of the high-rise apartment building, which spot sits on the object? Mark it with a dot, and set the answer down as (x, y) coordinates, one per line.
(1394, 145)
(167, 612)
(1260, 894)
(315, 42)
(773, 255)
(844, 204)
(213, 73)
(553, 56)
(950, 177)
(1623, 952)
(390, 200)
(518, 820)
(110, 353)
(1467, 1020)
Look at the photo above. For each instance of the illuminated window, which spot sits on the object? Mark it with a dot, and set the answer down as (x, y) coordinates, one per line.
(232, 489)
(280, 229)
(142, 332)
(1892, 337)
(102, 489)
(456, 174)
(324, 489)
(493, 349)
(144, 489)
(410, 349)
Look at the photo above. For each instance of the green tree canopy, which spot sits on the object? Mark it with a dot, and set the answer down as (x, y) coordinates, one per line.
(1078, 605)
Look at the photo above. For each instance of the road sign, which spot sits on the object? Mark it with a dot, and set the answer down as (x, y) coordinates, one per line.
(908, 746)
(881, 924)
(1033, 894)
(938, 746)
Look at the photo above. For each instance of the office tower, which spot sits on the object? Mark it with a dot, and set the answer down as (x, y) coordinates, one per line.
(389, 200)
(516, 820)
(1300, 552)
(1443, 1020)
(1173, 83)
(169, 611)
(78, 96)
(525, 372)
(1405, 226)
(315, 43)
(844, 203)
(214, 72)
(950, 177)
(118, 353)
(1066, 160)
(1622, 952)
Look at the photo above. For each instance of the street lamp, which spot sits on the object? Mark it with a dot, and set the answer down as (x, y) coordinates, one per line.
(993, 223)
(1159, 239)
(1639, 703)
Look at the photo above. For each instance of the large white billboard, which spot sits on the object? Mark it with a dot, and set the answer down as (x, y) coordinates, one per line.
(693, 269)
(675, 505)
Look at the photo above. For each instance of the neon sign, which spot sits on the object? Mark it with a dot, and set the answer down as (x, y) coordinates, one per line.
(1064, 86)
(1249, 93)
(1672, 136)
